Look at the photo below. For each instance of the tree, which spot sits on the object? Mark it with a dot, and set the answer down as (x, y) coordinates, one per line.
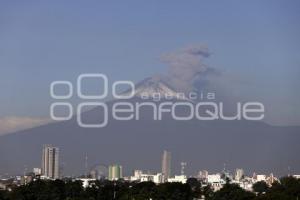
(173, 191)
(287, 189)
(195, 186)
(232, 192)
(73, 189)
(3, 195)
(207, 192)
(260, 187)
(291, 186)
(144, 190)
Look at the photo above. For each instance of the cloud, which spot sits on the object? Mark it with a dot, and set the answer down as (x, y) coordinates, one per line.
(13, 124)
(186, 66)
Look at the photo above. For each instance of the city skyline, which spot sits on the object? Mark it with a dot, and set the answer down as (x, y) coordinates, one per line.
(215, 182)
(51, 168)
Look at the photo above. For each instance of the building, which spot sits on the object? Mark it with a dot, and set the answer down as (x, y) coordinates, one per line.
(50, 162)
(239, 174)
(166, 165)
(179, 179)
(24, 180)
(158, 178)
(115, 172)
(99, 172)
(147, 178)
(202, 175)
(2, 186)
(271, 179)
(137, 175)
(215, 181)
(37, 171)
(296, 176)
(214, 178)
(86, 182)
(261, 177)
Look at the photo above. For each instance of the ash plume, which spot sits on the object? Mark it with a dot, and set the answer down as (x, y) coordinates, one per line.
(186, 67)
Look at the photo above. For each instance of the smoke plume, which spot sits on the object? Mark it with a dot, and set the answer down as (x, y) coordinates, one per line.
(186, 67)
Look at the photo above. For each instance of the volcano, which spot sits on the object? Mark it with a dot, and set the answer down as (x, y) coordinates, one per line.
(138, 144)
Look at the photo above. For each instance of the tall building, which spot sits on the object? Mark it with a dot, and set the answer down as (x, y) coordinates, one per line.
(50, 162)
(137, 174)
(37, 171)
(115, 172)
(239, 173)
(166, 165)
(203, 174)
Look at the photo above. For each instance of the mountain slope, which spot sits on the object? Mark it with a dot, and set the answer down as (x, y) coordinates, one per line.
(251, 145)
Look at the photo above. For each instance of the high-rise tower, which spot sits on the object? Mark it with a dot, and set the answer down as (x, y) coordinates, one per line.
(50, 162)
(115, 172)
(166, 165)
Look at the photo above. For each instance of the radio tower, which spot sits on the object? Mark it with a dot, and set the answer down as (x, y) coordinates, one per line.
(224, 168)
(25, 170)
(183, 165)
(86, 166)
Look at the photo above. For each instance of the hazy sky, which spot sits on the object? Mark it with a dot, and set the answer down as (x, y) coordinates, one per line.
(255, 44)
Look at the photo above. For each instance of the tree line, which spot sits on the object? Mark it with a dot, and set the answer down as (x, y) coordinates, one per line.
(288, 188)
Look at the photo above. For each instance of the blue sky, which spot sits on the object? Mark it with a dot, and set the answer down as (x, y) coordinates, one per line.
(254, 43)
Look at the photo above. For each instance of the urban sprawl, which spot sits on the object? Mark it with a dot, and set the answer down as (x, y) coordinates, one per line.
(50, 170)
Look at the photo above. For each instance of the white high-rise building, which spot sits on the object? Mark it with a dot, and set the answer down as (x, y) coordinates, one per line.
(37, 171)
(203, 174)
(239, 173)
(166, 165)
(50, 162)
(138, 174)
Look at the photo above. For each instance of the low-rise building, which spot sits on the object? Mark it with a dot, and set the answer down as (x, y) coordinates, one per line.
(179, 178)
(215, 181)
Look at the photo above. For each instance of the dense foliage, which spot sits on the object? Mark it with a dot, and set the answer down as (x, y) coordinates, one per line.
(287, 189)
